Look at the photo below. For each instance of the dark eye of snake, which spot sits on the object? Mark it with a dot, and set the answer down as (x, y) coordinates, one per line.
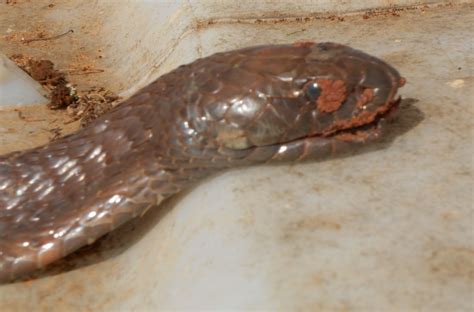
(312, 91)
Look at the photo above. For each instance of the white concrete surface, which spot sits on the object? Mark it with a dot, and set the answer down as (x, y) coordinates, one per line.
(16, 87)
(386, 230)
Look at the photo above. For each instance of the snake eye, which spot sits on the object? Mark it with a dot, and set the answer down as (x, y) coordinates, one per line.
(312, 91)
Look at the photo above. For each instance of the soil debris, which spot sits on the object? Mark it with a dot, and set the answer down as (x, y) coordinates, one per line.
(80, 105)
(61, 92)
(39, 34)
(333, 94)
(92, 104)
(366, 97)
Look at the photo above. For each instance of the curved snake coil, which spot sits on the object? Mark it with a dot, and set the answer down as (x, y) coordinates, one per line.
(243, 107)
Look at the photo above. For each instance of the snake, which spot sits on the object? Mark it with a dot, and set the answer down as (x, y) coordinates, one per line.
(254, 105)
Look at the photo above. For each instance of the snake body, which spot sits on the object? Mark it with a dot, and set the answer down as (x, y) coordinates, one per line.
(243, 107)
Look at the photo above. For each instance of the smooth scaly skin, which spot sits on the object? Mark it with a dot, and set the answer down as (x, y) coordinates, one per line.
(236, 108)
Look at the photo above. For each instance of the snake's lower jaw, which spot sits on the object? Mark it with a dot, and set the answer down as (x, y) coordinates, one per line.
(350, 139)
(365, 127)
(321, 147)
(374, 129)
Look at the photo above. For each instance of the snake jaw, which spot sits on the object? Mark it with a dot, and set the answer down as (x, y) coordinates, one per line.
(373, 128)
(364, 119)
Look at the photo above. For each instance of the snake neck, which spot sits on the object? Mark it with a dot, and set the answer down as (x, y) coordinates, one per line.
(57, 198)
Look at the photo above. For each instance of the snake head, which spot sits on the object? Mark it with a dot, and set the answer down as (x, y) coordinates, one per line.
(277, 95)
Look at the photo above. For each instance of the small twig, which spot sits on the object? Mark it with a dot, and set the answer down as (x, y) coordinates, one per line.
(102, 98)
(56, 132)
(49, 80)
(70, 121)
(295, 32)
(75, 72)
(22, 117)
(70, 31)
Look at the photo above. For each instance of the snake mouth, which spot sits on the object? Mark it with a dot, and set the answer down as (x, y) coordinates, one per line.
(366, 125)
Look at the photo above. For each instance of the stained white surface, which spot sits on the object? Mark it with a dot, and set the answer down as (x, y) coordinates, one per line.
(16, 87)
(387, 230)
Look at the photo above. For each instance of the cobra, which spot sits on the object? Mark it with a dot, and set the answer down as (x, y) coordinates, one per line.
(249, 106)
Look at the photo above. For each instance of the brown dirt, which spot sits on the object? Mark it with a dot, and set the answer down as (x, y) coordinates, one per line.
(366, 96)
(333, 94)
(61, 93)
(352, 136)
(31, 126)
(84, 105)
(364, 118)
(92, 104)
(40, 33)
